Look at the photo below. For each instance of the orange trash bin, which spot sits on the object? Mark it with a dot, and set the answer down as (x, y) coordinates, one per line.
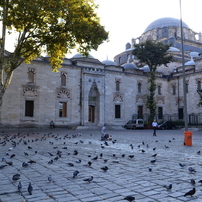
(188, 138)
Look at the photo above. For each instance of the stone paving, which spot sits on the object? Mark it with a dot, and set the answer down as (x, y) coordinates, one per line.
(59, 152)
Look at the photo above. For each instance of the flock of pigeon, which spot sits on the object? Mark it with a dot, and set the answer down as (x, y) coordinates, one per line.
(9, 142)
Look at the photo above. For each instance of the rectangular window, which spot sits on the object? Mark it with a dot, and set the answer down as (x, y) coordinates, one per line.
(62, 109)
(159, 90)
(117, 86)
(29, 108)
(160, 112)
(117, 111)
(139, 87)
(187, 89)
(174, 90)
(30, 77)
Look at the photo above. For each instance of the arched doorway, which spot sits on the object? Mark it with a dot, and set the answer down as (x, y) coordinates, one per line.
(93, 105)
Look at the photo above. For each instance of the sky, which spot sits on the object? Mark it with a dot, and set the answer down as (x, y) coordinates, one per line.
(128, 19)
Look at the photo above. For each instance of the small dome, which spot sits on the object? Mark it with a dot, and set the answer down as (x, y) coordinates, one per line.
(129, 66)
(165, 22)
(191, 62)
(145, 68)
(79, 55)
(109, 63)
(173, 49)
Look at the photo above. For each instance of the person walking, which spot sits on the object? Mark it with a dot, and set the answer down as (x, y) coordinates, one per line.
(154, 125)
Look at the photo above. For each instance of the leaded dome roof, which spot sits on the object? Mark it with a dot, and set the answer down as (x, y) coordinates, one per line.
(109, 62)
(165, 22)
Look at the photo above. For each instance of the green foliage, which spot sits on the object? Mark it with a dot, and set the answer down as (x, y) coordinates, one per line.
(53, 26)
(152, 54)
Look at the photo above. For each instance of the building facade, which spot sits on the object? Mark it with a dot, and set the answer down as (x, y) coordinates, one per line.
(87, 92)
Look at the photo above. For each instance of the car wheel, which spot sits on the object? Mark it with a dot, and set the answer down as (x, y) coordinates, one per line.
(162, 128)
(134, 127)
(173, 128)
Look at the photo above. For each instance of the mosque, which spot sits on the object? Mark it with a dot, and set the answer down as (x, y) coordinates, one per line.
(88, 92)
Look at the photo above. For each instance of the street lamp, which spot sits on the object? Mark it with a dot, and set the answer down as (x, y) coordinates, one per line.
(184, 76)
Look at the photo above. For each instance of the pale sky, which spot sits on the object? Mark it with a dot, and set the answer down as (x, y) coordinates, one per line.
(129, 18)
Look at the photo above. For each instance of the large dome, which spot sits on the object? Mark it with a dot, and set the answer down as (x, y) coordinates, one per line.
(165, 22)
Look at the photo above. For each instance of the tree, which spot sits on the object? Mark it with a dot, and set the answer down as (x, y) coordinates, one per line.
(152, 54)
(51, 26)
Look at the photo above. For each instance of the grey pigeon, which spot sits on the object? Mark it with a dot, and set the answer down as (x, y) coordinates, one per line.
(182, 165)
(75, 173)
(2, 166)
(19, 187)
(168, 187)
(30, 188)
(90, 179)
(191, 170)
(191, 192)
(16, 177)
(50, 178)
(25, 164)
(105, 168)
(192, 181)
(129, 198)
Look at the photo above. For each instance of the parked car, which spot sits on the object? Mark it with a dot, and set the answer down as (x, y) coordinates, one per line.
(135, 123)
(167, 125)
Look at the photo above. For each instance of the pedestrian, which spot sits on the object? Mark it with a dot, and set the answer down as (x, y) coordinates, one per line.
(104, 136)
(52, 124)
(154, 125)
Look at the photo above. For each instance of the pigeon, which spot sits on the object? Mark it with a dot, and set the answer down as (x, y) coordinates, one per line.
(89, 163)
(105, 168)
(16, 177)
(30, 188)
(4, 159)
(50, 162)
(182, 165)
(153, 161)
(143, 151)
(131, 156)
(71, 164)
(13, 155)
(31, 161)
(150, 169)
(90, 179)
(191, 170)
(50, 178)
(123, 155)
(25, 164)
(19, 186)
(200, 181)
(191, 192)
(154, 155)
(75, 173)
(75, 152)
(26, 154)
(2, 166)
(199, 152)
(129, 198)
(168, 187)
(95, 158)
(192, 181)
(10, 163)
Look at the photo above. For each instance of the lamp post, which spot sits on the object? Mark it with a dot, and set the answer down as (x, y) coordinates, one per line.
(184, 76)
